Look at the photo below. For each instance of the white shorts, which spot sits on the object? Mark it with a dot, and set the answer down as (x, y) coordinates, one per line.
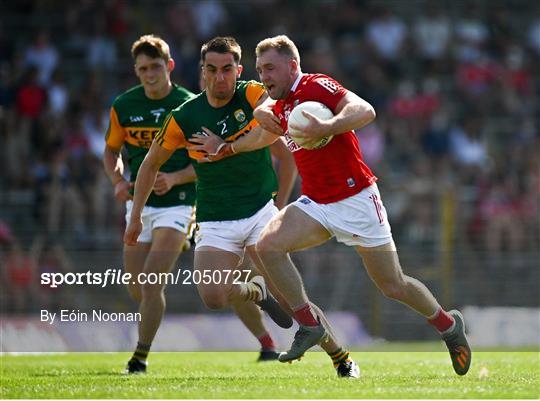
(234, 235)
(357, 220)
(178, 217)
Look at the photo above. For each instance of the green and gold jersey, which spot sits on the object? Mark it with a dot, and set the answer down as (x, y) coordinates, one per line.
(236, 187)
(134, 122)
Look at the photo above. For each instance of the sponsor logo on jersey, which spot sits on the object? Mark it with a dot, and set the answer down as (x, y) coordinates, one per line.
(240, 115)
(141, 137)
(136, 119)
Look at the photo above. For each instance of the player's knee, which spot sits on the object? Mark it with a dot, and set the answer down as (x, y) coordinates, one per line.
(151, 290)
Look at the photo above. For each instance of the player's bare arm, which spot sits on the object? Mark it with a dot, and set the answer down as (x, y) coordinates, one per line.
(258, 138)
(352, 112)
(165, 181)
(157, 155)
(265, 116)
(286, 171)
(218, 149)
(114, 168)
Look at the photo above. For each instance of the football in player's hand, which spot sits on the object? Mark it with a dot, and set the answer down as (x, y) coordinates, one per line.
(297, 121)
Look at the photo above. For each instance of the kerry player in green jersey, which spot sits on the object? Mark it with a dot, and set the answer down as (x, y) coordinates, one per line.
(135, 118)
(234, 195)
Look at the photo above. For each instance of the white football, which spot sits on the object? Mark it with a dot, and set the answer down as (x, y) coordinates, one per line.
(298, 121)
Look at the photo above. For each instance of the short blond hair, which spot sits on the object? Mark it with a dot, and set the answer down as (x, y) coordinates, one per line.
(152, 46)
(282, 44)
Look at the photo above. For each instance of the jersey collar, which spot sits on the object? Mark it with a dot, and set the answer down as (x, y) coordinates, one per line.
(297, 81)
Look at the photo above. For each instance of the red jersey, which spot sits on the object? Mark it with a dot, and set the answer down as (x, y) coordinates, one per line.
(337, 170)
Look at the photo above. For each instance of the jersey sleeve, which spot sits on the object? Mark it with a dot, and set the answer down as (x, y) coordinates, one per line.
(115, 135)
(171, 136)
(254, 91)
(327, 90)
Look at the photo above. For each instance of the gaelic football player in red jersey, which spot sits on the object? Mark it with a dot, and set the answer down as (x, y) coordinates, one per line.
(340, 198)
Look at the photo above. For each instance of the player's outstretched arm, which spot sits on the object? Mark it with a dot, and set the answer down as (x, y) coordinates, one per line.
(258, 138)
(146, 176)
(287, 172)
(217, 149)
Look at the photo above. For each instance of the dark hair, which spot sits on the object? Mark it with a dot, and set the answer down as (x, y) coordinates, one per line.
(222, 45)
(151, 46)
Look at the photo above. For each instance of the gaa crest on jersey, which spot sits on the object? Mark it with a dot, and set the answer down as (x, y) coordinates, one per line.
(240, 115)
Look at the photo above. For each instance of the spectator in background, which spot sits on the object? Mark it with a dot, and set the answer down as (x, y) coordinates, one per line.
(57, 94)
(501, 211)
(467, 146)
(19, 273)
(372, 141)
(471, 34)
(432, 34)
(7, 47)
(31, 100)
(387, 34)
(101, 50)
(533, 36)
(50, 257)
(7, 119)
(211, 17)
(435, 139)
(42, 55)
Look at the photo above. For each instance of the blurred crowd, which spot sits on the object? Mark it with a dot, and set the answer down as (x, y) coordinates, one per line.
(456, 142)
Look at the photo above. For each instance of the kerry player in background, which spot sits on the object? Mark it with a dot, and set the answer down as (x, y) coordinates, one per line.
(135, 118)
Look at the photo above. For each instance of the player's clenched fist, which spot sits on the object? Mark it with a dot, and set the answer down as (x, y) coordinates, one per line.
(121, 191)
(133, 229)
(268, 120)
(164, 182)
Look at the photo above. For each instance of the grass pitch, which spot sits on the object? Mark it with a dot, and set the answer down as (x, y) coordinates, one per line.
(236, 375)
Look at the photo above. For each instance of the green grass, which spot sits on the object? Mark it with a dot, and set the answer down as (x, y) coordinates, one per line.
(236, 375)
